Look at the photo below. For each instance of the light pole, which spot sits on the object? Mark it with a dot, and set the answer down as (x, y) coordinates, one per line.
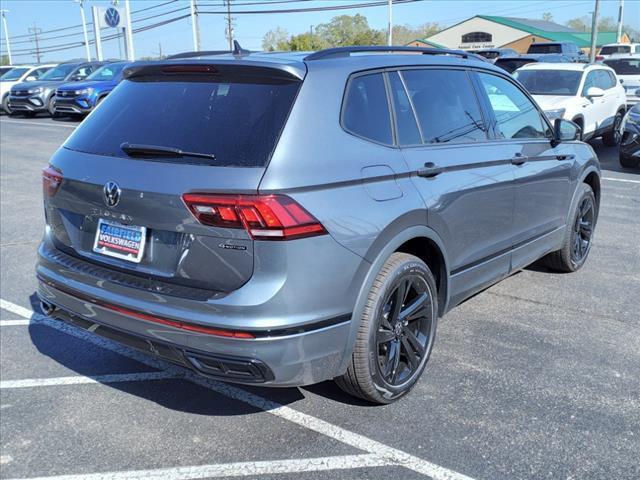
(195, 26)
(620, 14)
(127, 10)
(594, 32)
(6, 33)
(84, 29)
(390, 35)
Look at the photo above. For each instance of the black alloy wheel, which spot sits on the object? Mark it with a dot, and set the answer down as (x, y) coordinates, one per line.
(583, 230)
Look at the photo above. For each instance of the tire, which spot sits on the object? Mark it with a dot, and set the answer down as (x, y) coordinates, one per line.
(5, 105)
(578, 236)
(50, 106)
(390, 354)
(612, 137)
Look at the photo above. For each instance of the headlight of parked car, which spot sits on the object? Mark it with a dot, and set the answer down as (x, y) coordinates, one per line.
(35, 90)
(553, 114)
(84, 91)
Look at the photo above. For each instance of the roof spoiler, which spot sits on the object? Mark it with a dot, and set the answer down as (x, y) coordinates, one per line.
(339, 52)
(237, 51)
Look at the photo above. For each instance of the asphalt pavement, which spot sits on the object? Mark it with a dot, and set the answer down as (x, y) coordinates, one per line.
(537, 377)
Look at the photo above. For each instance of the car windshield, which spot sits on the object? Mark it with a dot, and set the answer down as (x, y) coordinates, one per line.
(545, 48)
(549, 82)
(58, 73)
(626, 66)
(236, 119)
(14, 74)
(108, 72)
(611, 49)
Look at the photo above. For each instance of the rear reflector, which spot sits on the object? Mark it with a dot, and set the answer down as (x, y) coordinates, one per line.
(51, 181)
(265, 217)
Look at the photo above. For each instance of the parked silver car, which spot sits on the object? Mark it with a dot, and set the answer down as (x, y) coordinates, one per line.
(286, 218)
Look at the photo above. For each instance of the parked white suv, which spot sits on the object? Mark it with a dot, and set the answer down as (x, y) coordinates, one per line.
(627, 69)
(588, 94)
(19, 73)
(617, 49)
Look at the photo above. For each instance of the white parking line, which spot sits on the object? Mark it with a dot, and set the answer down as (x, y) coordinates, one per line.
(19, 122)
(239, 469)
(380, 450)
(13, 323)
(625, 180)
(80, 379)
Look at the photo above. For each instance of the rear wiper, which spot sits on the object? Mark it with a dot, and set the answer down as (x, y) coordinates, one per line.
(138, 150)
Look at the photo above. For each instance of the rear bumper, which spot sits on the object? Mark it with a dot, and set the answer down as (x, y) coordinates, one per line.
(301, 324)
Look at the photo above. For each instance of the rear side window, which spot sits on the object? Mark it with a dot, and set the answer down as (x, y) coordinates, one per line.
(237, 119)
(366, 109)
(408, 133)
(516, 116)
(446, 105)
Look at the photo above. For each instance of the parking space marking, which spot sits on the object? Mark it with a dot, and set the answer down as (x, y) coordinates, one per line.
(626, 180)
(19, 122)
(81, 379)
(13, 323)
(239, 469)
(391, 455)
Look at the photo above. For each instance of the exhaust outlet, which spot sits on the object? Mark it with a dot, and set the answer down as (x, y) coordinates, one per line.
(47, 308)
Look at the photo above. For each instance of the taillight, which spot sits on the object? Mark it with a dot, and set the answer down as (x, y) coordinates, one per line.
(265, 217)
(599, 58)
(51, 181)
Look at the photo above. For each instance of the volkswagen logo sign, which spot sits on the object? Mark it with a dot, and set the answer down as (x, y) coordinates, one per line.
(112, 193)
(112, 17)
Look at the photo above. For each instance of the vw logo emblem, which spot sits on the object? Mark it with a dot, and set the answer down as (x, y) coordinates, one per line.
(111, 192)
(112, 17)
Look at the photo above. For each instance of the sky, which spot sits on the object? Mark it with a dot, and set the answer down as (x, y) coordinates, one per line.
(250, 29)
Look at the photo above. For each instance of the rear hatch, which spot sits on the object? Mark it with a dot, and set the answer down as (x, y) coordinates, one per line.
(114, 192)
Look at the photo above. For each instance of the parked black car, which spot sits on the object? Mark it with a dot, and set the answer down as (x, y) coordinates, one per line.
(30, 98)
(512, 63)
(630, 143)
(568, 49)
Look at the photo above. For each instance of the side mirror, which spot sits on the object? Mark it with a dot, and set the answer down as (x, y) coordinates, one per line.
(565, 131)
(30, 78)
(595, 92)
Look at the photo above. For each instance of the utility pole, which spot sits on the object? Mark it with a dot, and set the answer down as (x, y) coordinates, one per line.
(195, 26)
(229, 26)
(6, 34)
(84, 30)
(160, 50)
(390, 34)
(594, 32)
(131, 56)
(36, 31)
(620, 12)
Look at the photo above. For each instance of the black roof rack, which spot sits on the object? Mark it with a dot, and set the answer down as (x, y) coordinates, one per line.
(347, 51)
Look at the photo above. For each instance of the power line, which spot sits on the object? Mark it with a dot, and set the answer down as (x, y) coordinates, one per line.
(312, 9)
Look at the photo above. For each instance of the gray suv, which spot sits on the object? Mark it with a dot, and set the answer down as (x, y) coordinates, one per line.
(286, 218)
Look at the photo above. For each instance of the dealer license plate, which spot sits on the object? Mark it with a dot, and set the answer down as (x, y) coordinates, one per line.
(120, 241)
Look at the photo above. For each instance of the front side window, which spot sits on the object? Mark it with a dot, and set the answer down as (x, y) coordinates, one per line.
(446, 105)
(14, 74)
(590, 81)
(58, 73)
(107, 72)
(475, 37)
(516, 116)
(366, 109)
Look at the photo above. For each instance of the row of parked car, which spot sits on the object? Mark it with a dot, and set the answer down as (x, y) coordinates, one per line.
(69, 88)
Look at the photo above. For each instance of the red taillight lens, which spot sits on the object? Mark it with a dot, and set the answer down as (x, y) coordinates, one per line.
(51, 181)
(599, 58)
(265, 217)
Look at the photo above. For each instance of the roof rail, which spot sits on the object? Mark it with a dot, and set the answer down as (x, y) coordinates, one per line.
(347, 51)
(198, 54)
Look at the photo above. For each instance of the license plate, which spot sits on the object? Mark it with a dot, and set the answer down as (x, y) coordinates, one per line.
(120, 241)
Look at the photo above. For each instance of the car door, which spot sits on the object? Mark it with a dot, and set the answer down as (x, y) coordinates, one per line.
(595, 110)
(613, 96)
(542, 169)
(466, 180)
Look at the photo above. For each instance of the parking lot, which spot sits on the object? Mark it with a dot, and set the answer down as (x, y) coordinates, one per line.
(537, 377)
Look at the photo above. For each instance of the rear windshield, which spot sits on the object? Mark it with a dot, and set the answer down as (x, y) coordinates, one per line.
(548, 48)
(627, 66)
(611, 49)
(238, 120)
(510, 65)
(488, 54)
(549, 82)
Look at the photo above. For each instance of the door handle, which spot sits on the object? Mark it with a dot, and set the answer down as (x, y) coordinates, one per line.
(518, 159)
(430, 170)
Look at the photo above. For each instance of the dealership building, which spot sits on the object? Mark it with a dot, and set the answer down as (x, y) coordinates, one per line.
(485, 31)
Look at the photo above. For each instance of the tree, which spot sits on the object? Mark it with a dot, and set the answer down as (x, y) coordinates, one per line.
(581, 24)
(346, 30)
(4, 60)
(306, 42)
(605, 24)
(403, 34)
(275, 40)
(547, 17)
